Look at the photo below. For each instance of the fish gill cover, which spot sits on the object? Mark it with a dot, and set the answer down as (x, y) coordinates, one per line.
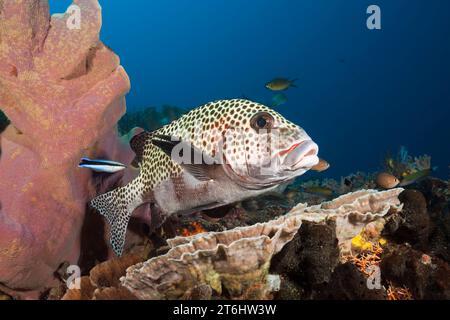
(78, 169)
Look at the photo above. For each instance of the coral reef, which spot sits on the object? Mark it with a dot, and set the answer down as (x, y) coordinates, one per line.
(61, 97)
(413, 259)
(325, 251)
(407, 249)
(403, 164)
(236, 262)
(426, 277)
(149, 118)
(63, 91)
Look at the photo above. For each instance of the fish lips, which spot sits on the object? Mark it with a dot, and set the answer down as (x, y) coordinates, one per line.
(301, 156)
(295, 161)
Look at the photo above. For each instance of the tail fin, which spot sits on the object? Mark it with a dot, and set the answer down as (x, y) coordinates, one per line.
(116, 207)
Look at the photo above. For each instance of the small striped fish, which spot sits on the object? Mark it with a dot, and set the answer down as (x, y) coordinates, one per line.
(107, 166)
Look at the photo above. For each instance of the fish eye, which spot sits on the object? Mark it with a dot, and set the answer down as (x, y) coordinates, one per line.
(262, 120)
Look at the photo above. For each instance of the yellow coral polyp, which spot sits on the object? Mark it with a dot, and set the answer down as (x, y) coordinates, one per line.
(360, 243)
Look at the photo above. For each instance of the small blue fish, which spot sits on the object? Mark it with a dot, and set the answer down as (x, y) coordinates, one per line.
(97, 165)
(279, 99)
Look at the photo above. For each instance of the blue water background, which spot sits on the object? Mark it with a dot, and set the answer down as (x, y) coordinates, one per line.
(360, 93)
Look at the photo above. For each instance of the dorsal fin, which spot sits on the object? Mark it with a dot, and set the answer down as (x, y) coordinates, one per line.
(137, 144)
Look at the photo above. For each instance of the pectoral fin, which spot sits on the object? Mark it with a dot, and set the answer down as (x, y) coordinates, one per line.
(200, 165)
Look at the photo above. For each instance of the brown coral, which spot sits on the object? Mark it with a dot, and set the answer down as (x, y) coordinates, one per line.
(103, 280)
(85, 292)
(108, 273)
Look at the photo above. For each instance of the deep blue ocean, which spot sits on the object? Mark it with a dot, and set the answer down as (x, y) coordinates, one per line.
(361, 92)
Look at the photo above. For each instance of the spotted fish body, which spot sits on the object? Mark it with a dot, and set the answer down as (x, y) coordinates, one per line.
(237, 137)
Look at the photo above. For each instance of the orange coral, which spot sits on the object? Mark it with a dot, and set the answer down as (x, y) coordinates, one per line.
(193, 229)
(363, 261)
(373, 258)
(398, 293)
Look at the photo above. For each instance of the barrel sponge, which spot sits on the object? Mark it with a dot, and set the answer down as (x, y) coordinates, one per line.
(63, 93)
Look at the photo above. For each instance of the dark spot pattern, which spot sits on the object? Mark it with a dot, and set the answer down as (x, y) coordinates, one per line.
(207, 128)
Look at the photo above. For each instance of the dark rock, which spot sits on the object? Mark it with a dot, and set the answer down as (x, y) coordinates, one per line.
(348, 283)
(200, 292)
(427, 277)
(437, 200)
(392, 224)
(289, 290)
(311, 256)
(440, 238)
(437, 194)
(425, 220)
(414, 227)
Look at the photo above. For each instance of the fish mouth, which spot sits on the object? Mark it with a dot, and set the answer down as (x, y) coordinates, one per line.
(302, 155)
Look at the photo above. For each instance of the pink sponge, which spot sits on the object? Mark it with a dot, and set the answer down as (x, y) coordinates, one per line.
(63, 91)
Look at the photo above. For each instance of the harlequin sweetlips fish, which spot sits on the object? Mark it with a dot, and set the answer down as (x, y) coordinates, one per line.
(217, 154)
